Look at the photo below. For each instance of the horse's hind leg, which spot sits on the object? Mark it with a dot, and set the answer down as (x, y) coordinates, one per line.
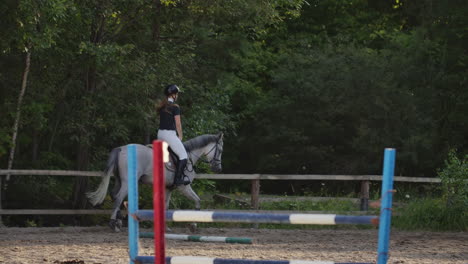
(116, 189)
(116, 217)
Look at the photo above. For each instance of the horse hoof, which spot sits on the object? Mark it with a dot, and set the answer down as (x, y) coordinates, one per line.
(193, 227)
(119, 224)
(115, 225)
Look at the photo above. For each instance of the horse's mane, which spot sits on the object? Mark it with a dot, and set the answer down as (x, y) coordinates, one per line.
(199, 142)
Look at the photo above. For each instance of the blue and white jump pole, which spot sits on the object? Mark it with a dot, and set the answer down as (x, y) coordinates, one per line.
(208, 260)
(267, 218)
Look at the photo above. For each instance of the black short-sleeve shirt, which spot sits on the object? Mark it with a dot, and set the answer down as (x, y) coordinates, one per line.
(166, 117)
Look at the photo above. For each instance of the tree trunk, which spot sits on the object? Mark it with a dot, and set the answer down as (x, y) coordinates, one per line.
(82, 158)
(157, 21)
(15, 128)
(81, 183)
(1, 198)
(84, 144)
(18, 113)
(83, 148)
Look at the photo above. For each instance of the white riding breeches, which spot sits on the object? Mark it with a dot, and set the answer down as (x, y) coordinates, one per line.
(170, 136)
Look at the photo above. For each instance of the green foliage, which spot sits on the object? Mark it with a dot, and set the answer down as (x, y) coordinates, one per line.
(202, 187)
(338, 103)
(330, 205)
(455, 180)
(38, 23)
(30, 223)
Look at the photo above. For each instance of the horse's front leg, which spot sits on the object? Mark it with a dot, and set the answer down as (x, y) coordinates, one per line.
(167, 200)
(167, 193)
(188, 192)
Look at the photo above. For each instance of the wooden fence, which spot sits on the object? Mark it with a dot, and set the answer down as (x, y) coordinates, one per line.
(254, 178)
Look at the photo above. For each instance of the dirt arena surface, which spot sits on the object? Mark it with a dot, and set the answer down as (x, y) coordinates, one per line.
(93, 245)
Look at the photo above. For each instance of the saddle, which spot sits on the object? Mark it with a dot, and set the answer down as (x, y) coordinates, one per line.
(173, 160)
(172, 164)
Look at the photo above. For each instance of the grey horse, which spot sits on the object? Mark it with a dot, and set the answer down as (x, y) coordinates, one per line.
(210, 146)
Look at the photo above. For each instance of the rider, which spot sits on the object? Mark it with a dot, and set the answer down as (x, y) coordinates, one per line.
(170, 130)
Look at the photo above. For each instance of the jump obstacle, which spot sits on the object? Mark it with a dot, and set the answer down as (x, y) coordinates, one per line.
(233, 240)
(159, 216)
(266, 218)
(207, 260)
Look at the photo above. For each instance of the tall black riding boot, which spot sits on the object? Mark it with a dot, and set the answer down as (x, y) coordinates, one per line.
(180, 178)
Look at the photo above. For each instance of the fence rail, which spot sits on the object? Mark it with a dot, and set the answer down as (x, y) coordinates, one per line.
(304, 177)
(109, 211)
(254, 178)
(54, 211)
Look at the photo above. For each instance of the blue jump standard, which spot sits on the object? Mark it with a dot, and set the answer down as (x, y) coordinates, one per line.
(386, 206)
(205, 260)
(237, 217)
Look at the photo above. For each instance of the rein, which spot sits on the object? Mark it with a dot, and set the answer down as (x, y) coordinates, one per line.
(215, 159)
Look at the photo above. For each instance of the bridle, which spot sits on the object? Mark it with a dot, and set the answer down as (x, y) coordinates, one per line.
(215, 158)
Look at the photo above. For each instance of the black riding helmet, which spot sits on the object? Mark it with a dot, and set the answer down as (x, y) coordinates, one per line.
(171, 89)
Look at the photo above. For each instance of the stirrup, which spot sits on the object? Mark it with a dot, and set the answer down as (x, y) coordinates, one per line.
(186, 180)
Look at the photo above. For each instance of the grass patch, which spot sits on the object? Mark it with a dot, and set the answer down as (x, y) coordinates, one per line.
(329, 205)
(431, 215)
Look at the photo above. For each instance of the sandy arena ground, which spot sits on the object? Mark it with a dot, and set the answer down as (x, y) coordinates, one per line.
(99, 245)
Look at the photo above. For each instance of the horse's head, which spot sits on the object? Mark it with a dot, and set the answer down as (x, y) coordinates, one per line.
(215, 153)
(210, 146)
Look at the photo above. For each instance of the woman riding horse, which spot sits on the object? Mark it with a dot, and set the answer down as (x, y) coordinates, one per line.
(209, 146)
(170, 130)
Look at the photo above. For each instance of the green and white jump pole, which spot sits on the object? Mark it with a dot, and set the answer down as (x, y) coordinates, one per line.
(232, 240)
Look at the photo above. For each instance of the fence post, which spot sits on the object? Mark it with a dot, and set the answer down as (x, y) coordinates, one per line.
(365, 195)
(255, 194)
(255, 198)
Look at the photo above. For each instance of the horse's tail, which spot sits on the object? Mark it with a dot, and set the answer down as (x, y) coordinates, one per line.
(98, 196)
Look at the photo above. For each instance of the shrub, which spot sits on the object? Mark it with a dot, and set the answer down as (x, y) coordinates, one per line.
(454, 179)
(431, 214)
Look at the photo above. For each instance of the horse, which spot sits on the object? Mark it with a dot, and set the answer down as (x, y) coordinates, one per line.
(210, 146)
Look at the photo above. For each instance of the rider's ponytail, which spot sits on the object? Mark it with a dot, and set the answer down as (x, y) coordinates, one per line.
(161, 105)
